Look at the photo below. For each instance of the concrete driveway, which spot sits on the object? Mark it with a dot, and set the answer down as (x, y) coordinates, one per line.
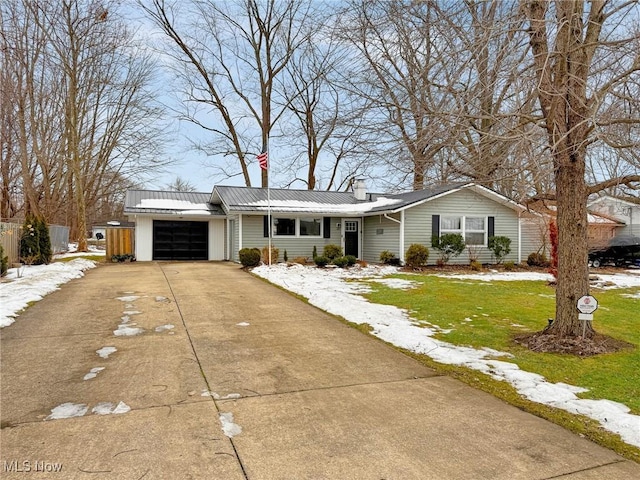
(299, 394)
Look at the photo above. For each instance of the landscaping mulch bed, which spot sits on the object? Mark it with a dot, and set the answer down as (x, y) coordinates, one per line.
(582, 347)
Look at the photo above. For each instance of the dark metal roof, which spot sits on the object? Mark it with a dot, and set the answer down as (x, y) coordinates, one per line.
(409, 198)
(244, 199)
(163, 202)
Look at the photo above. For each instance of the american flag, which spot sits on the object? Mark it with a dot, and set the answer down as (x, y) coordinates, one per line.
(262, 158)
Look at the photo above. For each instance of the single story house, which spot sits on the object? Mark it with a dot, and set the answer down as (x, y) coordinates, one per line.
(627, 212)
(202, 226)
(601, 228)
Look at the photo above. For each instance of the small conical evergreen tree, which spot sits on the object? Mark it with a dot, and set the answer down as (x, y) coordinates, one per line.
(44, 241)
(29, 243)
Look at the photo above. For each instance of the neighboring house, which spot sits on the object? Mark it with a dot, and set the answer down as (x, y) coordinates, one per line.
(200, 226)
(535, 228)
(624, 211)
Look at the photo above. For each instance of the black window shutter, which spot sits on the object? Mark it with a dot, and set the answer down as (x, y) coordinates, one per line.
(265, 225)
(435, 229)
(327, 227)
(491, 227)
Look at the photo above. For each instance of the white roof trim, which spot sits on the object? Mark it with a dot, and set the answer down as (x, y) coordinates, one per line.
(617, 200)
(501, 199)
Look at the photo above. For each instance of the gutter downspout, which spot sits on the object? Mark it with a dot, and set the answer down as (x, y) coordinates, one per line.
(519, 237)
(239, 232)
(401, 223)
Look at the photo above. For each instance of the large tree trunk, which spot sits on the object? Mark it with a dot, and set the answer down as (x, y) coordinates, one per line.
(562, 72)
(573, 270)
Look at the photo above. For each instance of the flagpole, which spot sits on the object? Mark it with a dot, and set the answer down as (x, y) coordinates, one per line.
(269, 202)
(263, 160)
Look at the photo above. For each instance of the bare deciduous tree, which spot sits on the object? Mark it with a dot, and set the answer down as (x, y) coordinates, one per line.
(398, 72)
(325, 129)
(229, 57)
(583, 54)
(79, 116)
(180, 185)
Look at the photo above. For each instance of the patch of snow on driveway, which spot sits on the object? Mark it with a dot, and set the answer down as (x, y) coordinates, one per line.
(229, 428)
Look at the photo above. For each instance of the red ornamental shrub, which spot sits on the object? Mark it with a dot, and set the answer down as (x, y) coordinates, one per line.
(553, 236)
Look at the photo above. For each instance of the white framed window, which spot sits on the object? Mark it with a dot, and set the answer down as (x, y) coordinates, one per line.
(284, 227)
(451, 225)
(297, 227)
(472, 229)
(351, 226)
(475, 230)
(310, 227)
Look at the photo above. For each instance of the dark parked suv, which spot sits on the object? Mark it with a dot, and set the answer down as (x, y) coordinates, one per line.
(622, 251)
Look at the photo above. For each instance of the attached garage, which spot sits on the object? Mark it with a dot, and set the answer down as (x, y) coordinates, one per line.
(180, 240)
(176, 226)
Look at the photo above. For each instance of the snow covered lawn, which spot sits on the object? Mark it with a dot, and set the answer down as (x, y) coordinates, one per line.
(329, 290)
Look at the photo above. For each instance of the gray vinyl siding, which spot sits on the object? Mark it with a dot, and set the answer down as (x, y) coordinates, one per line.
(375, 242)
(623, 212)
(234, 225)
(253, 237)
(461, 203)
(633, 229)
(535, 237)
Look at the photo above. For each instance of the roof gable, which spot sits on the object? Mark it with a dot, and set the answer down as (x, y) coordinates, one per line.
(614, 200)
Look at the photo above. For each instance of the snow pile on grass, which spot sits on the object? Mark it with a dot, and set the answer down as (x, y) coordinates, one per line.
(328, 290)
(35, 282)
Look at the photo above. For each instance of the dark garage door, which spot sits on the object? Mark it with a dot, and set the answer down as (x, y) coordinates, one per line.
(180, 240)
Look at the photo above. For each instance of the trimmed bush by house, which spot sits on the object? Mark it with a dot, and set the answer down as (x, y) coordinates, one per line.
(536, 259)
(449, 245)
(275, 253)
(249, 257)
(341, 262)
(509, 266)
(351, 260)
(416, 256)
(500, 247)
(332, 251)
(389, 258)
(321, 261)
(386, 256)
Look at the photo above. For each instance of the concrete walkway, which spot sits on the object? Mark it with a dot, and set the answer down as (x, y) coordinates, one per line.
(314, 399)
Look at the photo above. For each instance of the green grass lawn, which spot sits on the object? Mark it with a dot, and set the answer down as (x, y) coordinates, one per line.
(500, 310)
(88, 256)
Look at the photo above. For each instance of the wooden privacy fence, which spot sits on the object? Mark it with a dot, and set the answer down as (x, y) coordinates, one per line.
(10, 240)
(120, 241)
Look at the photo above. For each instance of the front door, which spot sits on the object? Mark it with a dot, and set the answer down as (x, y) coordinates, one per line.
(351, 237)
